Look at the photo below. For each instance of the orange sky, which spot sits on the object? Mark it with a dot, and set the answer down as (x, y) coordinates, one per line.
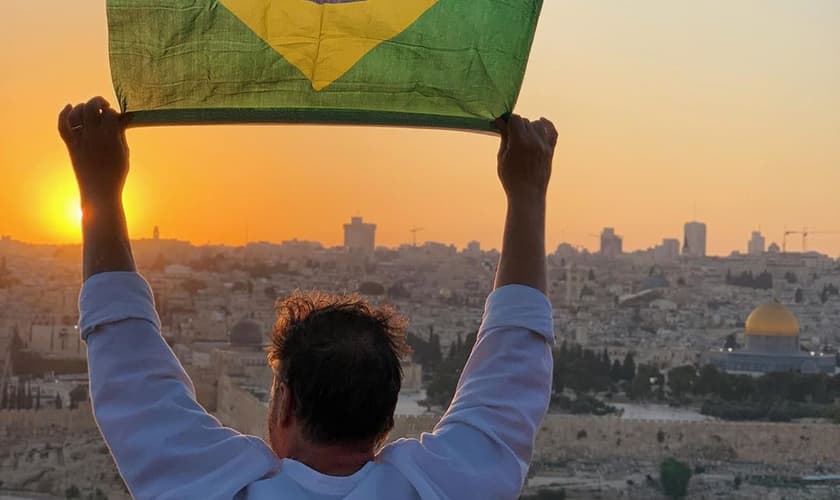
(724, 111)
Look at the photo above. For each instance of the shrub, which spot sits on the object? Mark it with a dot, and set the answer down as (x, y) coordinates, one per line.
(674, 476)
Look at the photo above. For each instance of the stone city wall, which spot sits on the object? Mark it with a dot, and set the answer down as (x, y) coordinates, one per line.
(561, 438)
(592, 438)
(23, 424)
(565, 438)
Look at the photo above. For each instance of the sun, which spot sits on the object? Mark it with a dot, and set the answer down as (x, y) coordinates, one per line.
(67, 214)
(74, 212)
(60, 208)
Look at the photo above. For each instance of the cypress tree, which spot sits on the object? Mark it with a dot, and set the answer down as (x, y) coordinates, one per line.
(435, 352)
(21, 397)
(616, 372)
(629, 367)
(605, 362)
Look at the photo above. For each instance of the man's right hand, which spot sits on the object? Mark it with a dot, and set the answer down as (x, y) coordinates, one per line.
(525, 168)
(525, 157)
(95, 137)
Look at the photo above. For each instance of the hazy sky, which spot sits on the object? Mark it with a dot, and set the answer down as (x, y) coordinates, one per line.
(727, 111)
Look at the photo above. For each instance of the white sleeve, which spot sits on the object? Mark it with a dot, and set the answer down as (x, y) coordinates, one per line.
(484, 444)
(164, 443)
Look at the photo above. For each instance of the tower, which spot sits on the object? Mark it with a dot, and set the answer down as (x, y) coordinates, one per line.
(359, 237)
(611, 243)
(694, 242)
(755, 247)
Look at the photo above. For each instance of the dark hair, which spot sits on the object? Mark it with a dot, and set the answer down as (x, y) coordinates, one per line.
(340, 358)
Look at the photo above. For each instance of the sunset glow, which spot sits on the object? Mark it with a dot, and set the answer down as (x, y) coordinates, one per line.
(667, 112)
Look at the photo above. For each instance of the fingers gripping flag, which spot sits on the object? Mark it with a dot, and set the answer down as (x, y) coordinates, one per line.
(437, 63)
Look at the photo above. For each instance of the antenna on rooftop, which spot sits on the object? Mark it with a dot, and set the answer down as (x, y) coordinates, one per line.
(414, 231)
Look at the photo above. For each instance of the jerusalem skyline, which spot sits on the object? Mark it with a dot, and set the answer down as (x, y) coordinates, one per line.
(756, 243)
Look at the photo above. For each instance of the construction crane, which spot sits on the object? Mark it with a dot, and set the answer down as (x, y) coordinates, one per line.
(804, 233)
(414, 231)
(788, 233)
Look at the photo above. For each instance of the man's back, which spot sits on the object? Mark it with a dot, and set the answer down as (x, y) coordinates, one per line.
(167, 446)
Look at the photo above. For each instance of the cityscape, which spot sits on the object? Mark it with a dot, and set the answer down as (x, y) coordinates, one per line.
(677, 161)
(727, 363)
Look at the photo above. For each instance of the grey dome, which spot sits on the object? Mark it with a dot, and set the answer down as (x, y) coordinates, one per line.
(654, 282)
(246, 333)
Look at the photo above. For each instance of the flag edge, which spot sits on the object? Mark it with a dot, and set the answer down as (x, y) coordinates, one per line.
(303, 116)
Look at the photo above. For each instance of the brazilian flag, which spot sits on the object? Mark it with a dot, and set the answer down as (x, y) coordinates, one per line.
(429, 63)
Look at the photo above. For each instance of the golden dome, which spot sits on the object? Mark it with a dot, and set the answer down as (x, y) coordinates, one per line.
(774, 320)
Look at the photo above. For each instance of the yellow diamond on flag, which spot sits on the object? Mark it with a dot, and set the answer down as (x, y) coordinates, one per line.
(325, 38)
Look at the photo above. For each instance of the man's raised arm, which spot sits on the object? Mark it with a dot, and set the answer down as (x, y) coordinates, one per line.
(484, 444)
(164, 443)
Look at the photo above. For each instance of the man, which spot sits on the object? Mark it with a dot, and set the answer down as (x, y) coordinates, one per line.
(336, 363)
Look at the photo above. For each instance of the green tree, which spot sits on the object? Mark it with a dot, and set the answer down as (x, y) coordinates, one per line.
(605, 362)
(435, 351)
(72, 492)
(647, 378)
(674, 476)
(774, 386)
(546, 494)
(828, 291)
(681, 380)
(730, 342)
(616, 371)
(441, 389)
(628, 368)
(79, 394)
(709, 381)
(737, 387)
(20, 404)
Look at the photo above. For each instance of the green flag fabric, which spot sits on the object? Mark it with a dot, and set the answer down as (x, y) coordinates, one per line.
(429, 63)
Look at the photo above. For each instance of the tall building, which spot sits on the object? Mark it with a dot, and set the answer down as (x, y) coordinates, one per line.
(611, 243)
(473, 248)
(156, 233)
(359, 237)
(669, 250)
(755, 246)
(694, 243)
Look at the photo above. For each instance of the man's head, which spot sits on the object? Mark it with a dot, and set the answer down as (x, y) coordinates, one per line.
(337, 375)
